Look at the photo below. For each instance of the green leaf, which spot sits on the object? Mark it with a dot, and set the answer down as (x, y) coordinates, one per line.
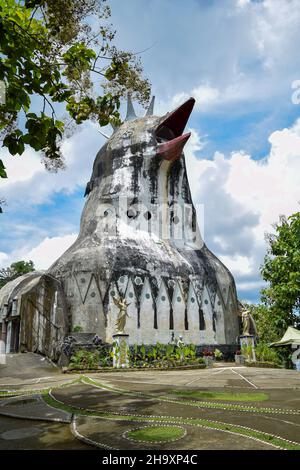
(3, 173)
(48, 59)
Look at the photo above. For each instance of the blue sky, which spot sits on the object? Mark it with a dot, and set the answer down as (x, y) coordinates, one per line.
(238, 58)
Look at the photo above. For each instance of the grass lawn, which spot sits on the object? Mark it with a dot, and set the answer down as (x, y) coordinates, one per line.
(222, 396)
(156, 433)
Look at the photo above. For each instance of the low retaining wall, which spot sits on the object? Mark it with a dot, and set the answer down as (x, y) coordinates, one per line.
(228, 350)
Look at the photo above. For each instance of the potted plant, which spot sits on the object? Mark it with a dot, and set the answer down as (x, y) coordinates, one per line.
(218, 354)
(239, 357)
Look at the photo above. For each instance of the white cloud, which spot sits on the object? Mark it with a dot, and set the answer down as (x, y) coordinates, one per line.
(49, 250)
(3, 259)
(20, 168)
(43, 254)
(270, 187)
(238, 265)
(242, 3)
(28, 182)
(225, 53)
(204, 94)
(243, 198)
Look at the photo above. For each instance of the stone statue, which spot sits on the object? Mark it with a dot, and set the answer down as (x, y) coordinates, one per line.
(67, 345)
(180, 342)
(172, 340)
(97, 340)
(248, 323)
(121, 320)
(246, 319)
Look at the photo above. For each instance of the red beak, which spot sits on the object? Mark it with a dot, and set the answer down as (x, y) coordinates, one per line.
(169, 132)
(172, 149)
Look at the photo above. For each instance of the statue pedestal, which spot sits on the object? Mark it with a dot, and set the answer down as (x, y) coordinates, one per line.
(121, 350)
(2, 352)
(246, 341)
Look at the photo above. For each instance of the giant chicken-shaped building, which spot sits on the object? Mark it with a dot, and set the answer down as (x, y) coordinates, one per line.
(139, 240)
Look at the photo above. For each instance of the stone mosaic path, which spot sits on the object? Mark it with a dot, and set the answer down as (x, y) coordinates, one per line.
(32, 407)
(100, 410)
(101, 414)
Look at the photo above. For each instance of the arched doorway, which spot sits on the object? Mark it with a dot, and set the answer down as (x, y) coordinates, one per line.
(13, 335)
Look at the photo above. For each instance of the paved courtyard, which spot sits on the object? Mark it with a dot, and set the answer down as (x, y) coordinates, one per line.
(224, 407)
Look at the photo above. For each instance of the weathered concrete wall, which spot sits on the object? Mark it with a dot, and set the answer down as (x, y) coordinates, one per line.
(37, 301)
(44, 320)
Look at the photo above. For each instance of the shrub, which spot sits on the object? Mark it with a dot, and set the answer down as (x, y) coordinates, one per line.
(162, 355)
(266, 354)
(84, 360)
(200, 360)
(218, 354)
(77, 329)
(247, 351)
(106, 357)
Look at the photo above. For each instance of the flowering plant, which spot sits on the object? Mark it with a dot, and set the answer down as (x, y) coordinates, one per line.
(207, 352)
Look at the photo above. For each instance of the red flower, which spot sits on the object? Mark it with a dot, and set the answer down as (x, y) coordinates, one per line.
(207, 352)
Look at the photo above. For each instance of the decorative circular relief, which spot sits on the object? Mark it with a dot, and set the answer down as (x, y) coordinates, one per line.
(131, 213)
(171, 283)
(138, 281)
(107, 212)
(155, 434)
